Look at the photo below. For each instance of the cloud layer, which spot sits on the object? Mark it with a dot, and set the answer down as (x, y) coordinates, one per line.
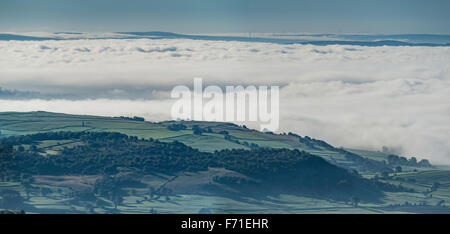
(352, 96)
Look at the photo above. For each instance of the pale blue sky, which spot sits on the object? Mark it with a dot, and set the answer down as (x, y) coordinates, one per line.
(200, 16)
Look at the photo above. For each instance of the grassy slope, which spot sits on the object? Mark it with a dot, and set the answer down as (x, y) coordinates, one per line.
(33, 122)
(15, 123)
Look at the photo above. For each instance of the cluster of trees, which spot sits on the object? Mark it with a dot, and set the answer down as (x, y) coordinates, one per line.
(410, 204)
(311, 142)
(135, 118)
(100, 153)
(176, 127)
(364, 164)
(197, 130)
(111, 187)
(251, 145)
(395, 160)
(235, 140)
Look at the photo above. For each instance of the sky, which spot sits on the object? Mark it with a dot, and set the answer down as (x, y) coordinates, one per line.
(221, 16)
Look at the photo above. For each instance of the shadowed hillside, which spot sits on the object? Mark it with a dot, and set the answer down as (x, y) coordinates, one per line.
(265, 170)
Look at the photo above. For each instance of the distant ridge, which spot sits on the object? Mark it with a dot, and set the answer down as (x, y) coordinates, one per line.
(14, 37)
(311, 39)
(169, 35)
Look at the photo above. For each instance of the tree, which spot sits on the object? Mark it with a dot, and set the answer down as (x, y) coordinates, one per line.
(224, 132)
(137, 118)
(176, 127)
(424, 163)
(393, 159)
(413, 161)
(197, 130)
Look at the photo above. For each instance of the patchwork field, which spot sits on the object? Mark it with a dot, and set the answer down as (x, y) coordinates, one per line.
(190, 192)
(58, 199)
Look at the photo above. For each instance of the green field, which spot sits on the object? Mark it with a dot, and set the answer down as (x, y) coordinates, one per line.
(427, 197)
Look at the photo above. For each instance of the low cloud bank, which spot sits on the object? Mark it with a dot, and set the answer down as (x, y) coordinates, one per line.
(351, 96)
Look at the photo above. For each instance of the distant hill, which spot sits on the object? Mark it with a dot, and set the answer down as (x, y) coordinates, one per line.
(15, 37)
(304, 39)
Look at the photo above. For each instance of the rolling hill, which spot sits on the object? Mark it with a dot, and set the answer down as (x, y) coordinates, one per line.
(213, 136)
(61, 163)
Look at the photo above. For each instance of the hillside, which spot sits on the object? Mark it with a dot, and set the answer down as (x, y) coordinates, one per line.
(104, 163)
(210, 137)
(59, 163)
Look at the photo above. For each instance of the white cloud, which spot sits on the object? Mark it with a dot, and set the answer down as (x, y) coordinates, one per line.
(353, 96)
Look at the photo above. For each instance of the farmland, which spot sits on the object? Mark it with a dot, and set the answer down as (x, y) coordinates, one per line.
(427, 187)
